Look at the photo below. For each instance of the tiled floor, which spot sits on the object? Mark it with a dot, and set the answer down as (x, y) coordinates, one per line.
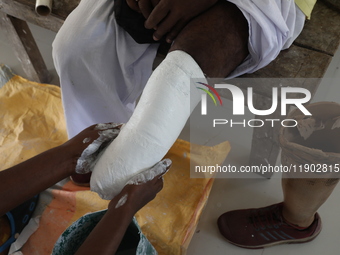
(229, 194)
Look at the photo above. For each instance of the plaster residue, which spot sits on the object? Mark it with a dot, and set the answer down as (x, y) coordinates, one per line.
(336, 123)
(307, 126)
(87, 140)
(148, 175)
(104, 126)
(90, 155)
(122, 201)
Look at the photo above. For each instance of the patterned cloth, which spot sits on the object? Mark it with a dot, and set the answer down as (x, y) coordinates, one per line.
(70, 241)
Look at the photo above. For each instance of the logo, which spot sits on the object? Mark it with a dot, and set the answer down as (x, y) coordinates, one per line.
(204, 97)
(281, 100)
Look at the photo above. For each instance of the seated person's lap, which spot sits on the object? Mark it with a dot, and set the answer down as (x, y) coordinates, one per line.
(217, 39)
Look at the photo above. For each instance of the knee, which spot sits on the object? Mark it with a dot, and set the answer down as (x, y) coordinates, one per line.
(217, 39)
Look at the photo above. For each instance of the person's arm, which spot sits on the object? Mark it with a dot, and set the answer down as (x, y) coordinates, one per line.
(23, 181)
(106, 237)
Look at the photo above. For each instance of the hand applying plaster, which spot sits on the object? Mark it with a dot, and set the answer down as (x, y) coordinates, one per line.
(107, 132)
(158, 170)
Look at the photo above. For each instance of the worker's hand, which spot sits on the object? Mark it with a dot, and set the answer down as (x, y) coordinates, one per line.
(168, 17)
(142, 188)
(86, 146)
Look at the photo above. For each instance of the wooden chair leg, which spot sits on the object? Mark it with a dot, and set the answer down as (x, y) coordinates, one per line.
(25, 48)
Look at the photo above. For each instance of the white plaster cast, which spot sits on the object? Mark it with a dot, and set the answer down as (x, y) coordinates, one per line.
(164, 107)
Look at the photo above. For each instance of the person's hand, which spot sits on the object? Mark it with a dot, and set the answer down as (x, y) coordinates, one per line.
(142, 188)
(86, 146)
(168, 17)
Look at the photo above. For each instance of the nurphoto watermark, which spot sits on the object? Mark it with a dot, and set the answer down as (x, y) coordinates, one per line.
(251, 114)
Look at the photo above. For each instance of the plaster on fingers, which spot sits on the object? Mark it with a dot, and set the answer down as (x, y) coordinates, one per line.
(104, 126)
(160, 169)
(89, 156)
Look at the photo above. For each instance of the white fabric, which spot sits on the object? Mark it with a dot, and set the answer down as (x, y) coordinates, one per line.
(103, 70)
(273, 26)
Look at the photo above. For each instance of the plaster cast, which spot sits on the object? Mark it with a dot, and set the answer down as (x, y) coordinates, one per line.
(164, 107)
